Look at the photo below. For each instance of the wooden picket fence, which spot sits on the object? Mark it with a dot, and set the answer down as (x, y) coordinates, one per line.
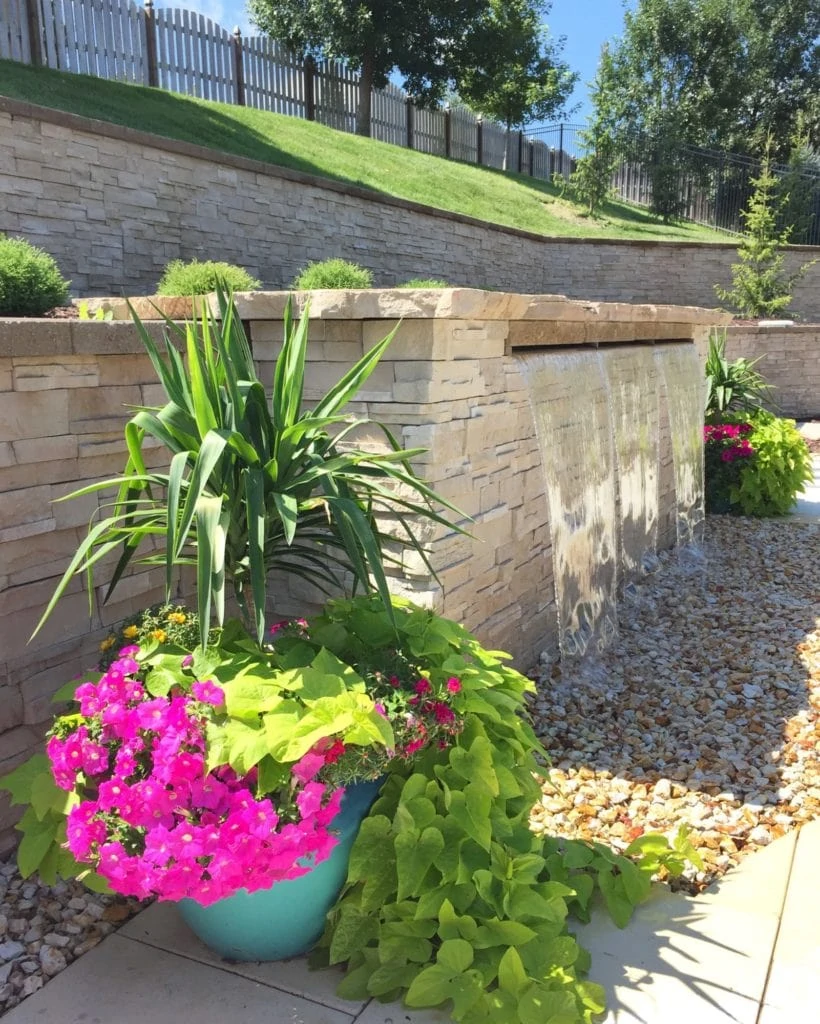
(185, 52)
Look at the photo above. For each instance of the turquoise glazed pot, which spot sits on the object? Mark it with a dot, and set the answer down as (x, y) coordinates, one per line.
(289, 918)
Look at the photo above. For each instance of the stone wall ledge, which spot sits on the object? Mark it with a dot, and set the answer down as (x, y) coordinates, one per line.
(43, 336)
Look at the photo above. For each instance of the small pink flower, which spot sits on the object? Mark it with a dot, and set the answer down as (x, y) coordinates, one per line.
(454, 685)
(443, 713)
(209, 693)
(187, 661)
(308, 767)
(422, 686)
(380, 709)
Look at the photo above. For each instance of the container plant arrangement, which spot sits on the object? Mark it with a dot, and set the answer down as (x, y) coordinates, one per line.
(218, 762)
(152, 780)
(755, 463)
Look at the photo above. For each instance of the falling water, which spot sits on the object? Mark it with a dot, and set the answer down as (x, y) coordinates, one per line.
(633, 389)
(568, 394)
(685, 396)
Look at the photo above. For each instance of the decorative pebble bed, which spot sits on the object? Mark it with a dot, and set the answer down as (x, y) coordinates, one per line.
(705, 711)
(44, 928)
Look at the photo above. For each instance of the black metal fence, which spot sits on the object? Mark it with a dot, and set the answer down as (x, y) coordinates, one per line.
(714, 188)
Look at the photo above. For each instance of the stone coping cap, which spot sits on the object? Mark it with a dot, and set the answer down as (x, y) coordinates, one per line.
(462, 304)
(413, 304)
(43, 336)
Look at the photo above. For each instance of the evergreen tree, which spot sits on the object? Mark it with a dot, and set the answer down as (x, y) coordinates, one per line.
(760, 286)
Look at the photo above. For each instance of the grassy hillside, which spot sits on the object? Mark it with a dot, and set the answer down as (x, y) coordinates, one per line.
(513, 200)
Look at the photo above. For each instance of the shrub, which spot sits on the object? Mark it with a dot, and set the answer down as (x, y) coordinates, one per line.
(763, 482)
(425, 282)
(197, 278)
(30, 280)
(731, 386)
(335, 273)
(760, 286)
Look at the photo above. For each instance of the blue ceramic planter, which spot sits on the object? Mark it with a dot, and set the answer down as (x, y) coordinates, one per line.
(287, 919)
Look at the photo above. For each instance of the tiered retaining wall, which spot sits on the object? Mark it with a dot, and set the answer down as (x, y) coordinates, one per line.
(450, 383)
(114, 205)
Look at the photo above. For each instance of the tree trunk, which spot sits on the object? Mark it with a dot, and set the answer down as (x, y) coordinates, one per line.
(365, 95)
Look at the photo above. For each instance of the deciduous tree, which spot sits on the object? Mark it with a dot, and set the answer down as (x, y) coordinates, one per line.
(510, 69)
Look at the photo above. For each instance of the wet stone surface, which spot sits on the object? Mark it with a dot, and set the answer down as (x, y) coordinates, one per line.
(705, 710)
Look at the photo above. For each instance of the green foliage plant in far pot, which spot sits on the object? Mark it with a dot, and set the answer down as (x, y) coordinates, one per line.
(731, 385)
(30, 280)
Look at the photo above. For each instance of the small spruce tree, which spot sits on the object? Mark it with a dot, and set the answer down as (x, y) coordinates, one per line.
(591, 181)
(760, 286)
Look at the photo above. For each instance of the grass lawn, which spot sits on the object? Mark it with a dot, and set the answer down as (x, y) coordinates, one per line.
(513, 200)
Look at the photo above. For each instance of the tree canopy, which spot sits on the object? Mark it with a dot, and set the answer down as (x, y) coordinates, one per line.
(718, 73)
(494, 52)
(509, 68)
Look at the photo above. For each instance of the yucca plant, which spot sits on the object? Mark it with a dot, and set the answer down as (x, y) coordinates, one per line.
(731, 386)
(255, 483)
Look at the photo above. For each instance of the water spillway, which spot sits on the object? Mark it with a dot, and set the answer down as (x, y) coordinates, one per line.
(568, 431)
(597, 419)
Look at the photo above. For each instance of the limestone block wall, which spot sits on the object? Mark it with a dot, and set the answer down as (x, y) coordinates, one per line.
(789, 359)
(64, 389)
(115, 205)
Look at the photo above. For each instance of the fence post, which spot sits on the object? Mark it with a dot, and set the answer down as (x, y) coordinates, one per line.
(520, 150)
(479, 140)
(531, 145)
(309, 73)
(151, 43)
(35, 39)
(448, 132)
(410, 120)
(238, 67)
(561, 148)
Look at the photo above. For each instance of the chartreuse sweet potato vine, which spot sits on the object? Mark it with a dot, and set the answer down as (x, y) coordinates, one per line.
(450, 896)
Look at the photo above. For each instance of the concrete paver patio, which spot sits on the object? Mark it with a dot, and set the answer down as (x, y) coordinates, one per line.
(747, 951)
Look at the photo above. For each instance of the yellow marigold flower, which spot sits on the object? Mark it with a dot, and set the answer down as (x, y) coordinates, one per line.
(160, 634)
(108, 643)
(131, 632)
(177, 617)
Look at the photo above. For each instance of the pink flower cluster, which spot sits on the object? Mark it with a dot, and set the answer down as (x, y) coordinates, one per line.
(730, 439)
(154, 821)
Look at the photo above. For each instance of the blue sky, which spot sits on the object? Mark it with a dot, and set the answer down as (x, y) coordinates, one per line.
(587, 24)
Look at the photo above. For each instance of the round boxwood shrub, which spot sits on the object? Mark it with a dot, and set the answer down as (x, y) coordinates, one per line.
(197, 278)
(425, 282)
(30, 280)
(335, 273)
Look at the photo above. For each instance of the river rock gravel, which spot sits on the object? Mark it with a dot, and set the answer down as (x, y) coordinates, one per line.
(704, 712)
(43, 928)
